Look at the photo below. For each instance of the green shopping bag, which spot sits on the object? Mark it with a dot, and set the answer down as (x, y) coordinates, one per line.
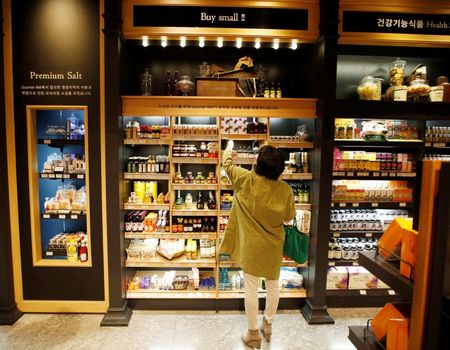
(296, 244)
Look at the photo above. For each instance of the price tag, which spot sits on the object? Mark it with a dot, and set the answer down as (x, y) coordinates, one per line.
(335, 173)
(66, 176)
(393, 174)
(59, 169)
(46, 216)
(407, 174)
(342, 173)
(49, 253)
(336, 234)
(354, 263)
(384, 174)
(355, 205)
(142, 141)
(391, 292)
(342, 204)
(80, 176)
(51, 176)
(350, 173)
(402, 204)
(47, 142)
(374, 205)
(331, 263)
(62, 216)
(59, 176)
(369, 234)
(439, 144)
(74, 216)
(427, 144)
(364, 173)
(376, 174)
(363, 292)
(44, 176)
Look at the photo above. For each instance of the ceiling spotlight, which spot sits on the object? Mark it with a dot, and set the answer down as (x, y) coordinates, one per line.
(145, 41)
(294, 44)
(164, 41)
(183, 41)
(257, 43)
(276, 44)
(201, 41)
(219, 42)
(239, 43)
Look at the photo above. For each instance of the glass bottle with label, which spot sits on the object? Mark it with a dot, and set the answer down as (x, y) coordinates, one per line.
(200, 201)
(211, 201)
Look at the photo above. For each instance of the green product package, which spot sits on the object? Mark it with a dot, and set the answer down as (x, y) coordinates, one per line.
(296, 244)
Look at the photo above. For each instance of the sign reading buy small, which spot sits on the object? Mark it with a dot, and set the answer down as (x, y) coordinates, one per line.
(395, 23)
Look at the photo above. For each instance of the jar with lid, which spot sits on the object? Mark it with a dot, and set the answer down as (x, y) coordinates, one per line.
(400, 93)
(370, 88)
(397, 72)
(418, 91)
(437, 93)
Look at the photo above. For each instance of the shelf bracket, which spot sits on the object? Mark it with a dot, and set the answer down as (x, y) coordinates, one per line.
(316, 314)
(117, 316)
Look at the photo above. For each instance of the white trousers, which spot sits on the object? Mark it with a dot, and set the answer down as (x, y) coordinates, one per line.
(251, 300)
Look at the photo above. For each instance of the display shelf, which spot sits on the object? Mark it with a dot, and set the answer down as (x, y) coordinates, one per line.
(380, 144)
(194, 212)
(366, 234)
(60, 142)
(195, 160)
(59, 176)
(156, 142)
(287, 144)
(381, 109)
(128, 206)
(226, 186)
(286, 263)
(343, 263)
(244, 137)
(378, 205)
(439, 145)
(146, 176)
(361, 341)
(244, 161)
(378, 175)
(195, 187)
(64, 216)
(159, 261)
(169, 235)
(225, 212)
(303, 206)
(387, 272)
(186, 137)
(171, 294)
(284, 293)
(297, 176)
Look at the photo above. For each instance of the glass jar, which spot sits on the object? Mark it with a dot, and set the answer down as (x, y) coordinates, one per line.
(146, 82)
(397, 72)
(400, 93)
(418, 90)
(437, 93)
(370, 88)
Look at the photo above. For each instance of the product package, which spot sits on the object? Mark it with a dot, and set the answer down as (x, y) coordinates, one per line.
(337, 278)
(360, 278)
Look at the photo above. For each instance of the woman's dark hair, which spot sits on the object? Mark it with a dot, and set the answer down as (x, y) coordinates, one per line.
(270, 162)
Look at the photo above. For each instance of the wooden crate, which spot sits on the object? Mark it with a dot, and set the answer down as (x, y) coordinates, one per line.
(217, 87)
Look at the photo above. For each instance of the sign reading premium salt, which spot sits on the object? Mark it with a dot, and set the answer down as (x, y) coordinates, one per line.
(220, 17)
(395, 23)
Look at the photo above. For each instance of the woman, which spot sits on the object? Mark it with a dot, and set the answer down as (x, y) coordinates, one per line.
(255, 236)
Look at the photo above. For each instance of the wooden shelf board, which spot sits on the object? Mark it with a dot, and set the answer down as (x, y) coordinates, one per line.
(366, 234)
(284, 293)
(286, 263)
(70, 216)
(379, 175)
(287, 144)
(159, 261)
(146, 176)
(377, 205)
(194, 160)
(171, 294)
(297, 176)
(60, 142)
(61, 176)
(186, 137)
(303, 206)
(226, 186)
(128, 206)
(225, 212)
(183, 212)
(244, 137)
(192, 187)
(157, 142)
(164, 235)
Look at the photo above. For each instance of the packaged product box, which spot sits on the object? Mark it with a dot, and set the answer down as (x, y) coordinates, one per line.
(382, 285)
(380, 323)
(150, 222)
(337, 278)
(408, 253)
(397, 334)
(390, 242)
(360, 278)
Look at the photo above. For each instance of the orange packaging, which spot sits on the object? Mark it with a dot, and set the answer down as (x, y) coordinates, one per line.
(408, 253)
(391, 239)
(380, 323)
(150, 222)
(397, 334)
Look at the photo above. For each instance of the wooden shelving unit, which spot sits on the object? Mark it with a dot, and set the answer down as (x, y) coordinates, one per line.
(146, 176)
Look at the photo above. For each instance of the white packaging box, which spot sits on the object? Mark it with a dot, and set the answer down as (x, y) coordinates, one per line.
(337, 278)
(360, 278)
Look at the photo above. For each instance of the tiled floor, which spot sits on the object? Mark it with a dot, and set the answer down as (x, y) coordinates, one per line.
(177, 331)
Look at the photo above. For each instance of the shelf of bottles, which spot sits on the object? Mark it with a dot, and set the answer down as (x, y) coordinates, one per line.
(437, 140)
(60, 222)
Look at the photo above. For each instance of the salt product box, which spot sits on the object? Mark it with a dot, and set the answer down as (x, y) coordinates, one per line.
(360, 278)
(337, 278)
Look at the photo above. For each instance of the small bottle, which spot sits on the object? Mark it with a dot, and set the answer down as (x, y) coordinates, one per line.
(211, 201)
(200, 201)
(168, 84)
(272, 91)
(266, 90)
(278, 93)
(176, 77)
(83, 252)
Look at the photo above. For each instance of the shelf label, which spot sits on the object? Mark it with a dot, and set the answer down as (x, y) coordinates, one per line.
(51, 176)
(74, 216)
(376, 174)
(364, 173)
(374, 205)
(331, 263)
(66, 176)
(350, 173)
(47, 142)
(384, 174)
(59, 169)
(46, 216)
(427, 144)
(439, 144)
(142, 141)
(49, 253)
(336, 234)
(369, 234)
(406, 174)
(44, 176)
(80, 176)
(393, 174)
(335, 173)
(62, 216)
(355, 263)
(391, 292)
(59, 176)
(342, 204)
(355, 205)
(402, 204)
(363, 292)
